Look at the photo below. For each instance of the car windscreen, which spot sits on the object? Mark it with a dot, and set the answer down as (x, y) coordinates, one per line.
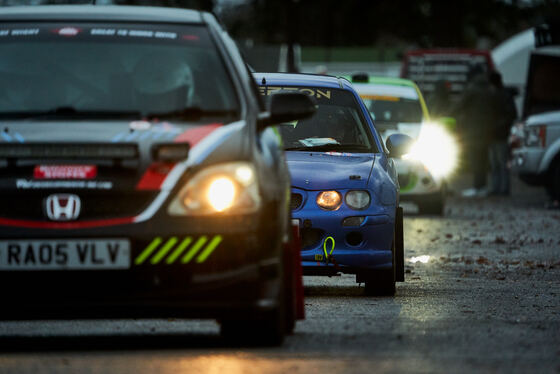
(393, 110)
(337, 125)
(543, 84)
(112, 68)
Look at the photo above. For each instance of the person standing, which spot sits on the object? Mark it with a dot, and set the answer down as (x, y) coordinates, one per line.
(498, 152)
(475, 115)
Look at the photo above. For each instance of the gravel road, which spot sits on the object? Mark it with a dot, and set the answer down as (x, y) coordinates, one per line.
(482, 294)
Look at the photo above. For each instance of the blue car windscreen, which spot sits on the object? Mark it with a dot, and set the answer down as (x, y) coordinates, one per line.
(337, 125)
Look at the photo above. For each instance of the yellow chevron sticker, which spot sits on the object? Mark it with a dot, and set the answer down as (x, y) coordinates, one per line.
(177, 252)
(148, 251)
(209, 249)
(170, 251)
(193, 251)
(163, 251)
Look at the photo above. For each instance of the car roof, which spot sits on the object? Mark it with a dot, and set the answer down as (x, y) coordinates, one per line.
(100, 13)
(385, 81)
(311, 80)
(397, 87)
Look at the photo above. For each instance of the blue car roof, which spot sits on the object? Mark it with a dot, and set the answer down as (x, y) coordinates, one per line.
(311, 80)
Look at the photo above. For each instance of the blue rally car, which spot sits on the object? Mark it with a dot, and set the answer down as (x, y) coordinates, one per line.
(345, 192)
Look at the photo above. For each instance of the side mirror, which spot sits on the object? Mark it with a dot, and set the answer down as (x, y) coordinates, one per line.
(398, 145)
(286, 107)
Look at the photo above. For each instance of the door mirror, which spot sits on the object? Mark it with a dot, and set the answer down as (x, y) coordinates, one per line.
(399, 145)
(286, 107)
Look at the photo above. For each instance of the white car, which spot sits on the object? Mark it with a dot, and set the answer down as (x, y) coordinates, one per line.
(397, 106)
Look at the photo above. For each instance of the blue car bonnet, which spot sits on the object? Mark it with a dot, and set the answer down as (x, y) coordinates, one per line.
(320, 171)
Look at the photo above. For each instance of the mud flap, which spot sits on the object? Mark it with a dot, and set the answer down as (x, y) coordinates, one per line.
(399, 246)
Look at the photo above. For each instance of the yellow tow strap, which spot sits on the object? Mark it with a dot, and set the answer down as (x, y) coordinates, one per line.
(325, 247)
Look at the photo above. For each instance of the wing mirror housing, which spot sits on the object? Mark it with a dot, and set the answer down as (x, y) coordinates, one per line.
(286, 107)
(399, 145)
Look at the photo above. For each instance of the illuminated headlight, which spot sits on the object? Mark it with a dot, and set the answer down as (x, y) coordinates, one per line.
(329, 200)
(357, 199)
(436, 149)
(220, 189)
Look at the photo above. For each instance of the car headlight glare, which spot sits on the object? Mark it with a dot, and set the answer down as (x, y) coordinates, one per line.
(329, 200)
(358, 199)
(221, 193)
(436, 149)
(229, 188)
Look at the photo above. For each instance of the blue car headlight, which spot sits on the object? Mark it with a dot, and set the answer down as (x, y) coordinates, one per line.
(358, 200)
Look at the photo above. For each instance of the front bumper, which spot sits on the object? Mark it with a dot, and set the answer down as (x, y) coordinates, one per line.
(238, 274)
(415, 179)
(526, 163)
(362, 246)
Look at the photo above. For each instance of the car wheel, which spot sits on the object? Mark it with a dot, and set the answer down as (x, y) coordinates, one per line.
(290, 289)
(381, 282)
(553, 185)
(268, 329)
(399, 246)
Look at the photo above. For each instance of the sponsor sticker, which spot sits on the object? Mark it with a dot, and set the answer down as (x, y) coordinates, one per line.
(26, 184)
(68, 31)
(65, 172)
(318, 93)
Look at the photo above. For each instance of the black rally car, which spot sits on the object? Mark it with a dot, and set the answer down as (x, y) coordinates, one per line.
(139, 174)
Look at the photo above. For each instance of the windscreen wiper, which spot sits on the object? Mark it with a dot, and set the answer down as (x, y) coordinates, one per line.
(68, 112)
(191, 113)
(331, 147)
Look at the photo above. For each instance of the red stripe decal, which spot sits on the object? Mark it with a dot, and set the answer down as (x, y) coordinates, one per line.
(156, 173)
(154, 176)
(65, 225)
(193, 136)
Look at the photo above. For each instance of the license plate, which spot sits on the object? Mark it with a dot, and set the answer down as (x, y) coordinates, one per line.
(78, 254)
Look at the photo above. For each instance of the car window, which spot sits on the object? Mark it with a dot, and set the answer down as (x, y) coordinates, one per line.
(394, 109)
(338, 123)
(112, 67)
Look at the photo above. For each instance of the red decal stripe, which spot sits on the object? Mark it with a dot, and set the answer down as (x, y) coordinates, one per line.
(193, 136)
(65, 225)
(154, 176)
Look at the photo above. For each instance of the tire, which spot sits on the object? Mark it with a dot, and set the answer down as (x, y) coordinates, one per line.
(270, 327)
(290, 290)
(266, 330)
(381, 282)
(553, 184)
(399, 246)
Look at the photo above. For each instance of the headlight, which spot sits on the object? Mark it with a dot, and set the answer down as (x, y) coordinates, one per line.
(436, 149)
(357, 199)
(329, 200)
(220, 189)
